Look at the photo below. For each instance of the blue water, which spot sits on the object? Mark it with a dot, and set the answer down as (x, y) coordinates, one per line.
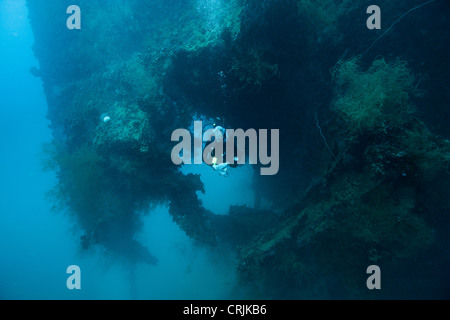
(37, 244)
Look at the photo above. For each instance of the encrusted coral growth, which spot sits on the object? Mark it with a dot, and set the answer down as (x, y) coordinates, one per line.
(128, 130)
(378, 97)
(252, 69)
(322, 17)
(81, 182)
(194, 25)
(212, 19)
(369, 207)
(149, 66)
(111, 116)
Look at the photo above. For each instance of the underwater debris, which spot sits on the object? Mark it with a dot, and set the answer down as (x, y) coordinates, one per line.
(366, 207)
(152, 66)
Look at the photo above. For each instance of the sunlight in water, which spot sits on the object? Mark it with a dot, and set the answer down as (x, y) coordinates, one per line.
(212, 10)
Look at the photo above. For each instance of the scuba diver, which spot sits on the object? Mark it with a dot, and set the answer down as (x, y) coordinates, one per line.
(221, 168)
